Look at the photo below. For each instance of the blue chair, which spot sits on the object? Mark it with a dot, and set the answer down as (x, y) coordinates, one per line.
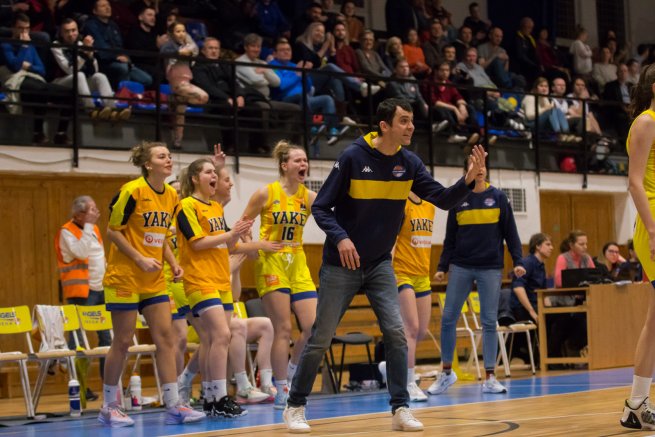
(197, 30)
(165, 90)
(133, 87)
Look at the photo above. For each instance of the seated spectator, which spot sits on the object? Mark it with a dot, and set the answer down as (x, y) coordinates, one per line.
(272, 24)
(463, 42)
(632, 258)
(393, 50)
(408, 90)
(558, 90)
(609, 262)
(291, 90)
(369, 59)
(580, 91)
(620, 52)
(144, 38)
(525, 61)
(313, 14)
(478, 26)
(433, 47)
(643, 54)
(548, 58)
(582, 54)
(495, 61)
(456, 76)
(331, 17)
(89, 78)
(448, 104)
(474, 70)
(106, 35)
(414, 55)
(422, 20)
(23, 75)
(179, 76)
(353, 24)
(547, 115)
(633, 71)
(345, 58)
(524, 299)
(618, 91)
(436, 9)
(604, 70)
(574, 257)
(449, 29)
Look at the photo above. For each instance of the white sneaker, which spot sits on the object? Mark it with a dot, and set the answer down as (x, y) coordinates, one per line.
(375, 89)
(442, 383)
(438, 127)
(251, 396)
(281, 399)
(473, 139)
(454, 138)
(294, 418)
(403, 420)
(641, 417)
(114, 416)
(270, 390)
(347, 121)
(382, 367)
(491, 385)
(182, 414)
(415, 393)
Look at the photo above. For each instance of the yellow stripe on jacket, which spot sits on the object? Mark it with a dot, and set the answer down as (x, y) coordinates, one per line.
(478, 216)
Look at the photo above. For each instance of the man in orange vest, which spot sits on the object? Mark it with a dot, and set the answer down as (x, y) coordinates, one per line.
(81, 261)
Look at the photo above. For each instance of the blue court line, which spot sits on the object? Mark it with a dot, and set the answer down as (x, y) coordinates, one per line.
(150, 424)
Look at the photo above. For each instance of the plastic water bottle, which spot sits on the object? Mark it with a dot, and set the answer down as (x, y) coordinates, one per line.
(74, 398)
(135, 392)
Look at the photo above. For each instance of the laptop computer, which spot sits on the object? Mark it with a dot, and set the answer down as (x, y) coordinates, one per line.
(628, 271)
(572, 278)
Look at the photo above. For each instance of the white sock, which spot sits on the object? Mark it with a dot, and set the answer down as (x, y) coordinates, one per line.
(171, 396)
(242, 380)
(219, 386)
(411, 376)
(280, 385)
(207, 391)
(640, 389)
(265, 377)
(186, 378)
(110, 395)
(291, 370)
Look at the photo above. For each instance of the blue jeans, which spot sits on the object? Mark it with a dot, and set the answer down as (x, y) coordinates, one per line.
(119, 71)
(318, 105)
(325, 83)
(460, 280)
(556, 118)
(338, 287)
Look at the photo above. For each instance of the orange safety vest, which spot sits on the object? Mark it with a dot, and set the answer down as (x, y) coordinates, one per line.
(74, 275)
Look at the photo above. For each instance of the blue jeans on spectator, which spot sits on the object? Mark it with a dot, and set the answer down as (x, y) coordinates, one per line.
(460, 280)
(503, 78)
(338, 288)
(104, 338)
(318, 105)
(119, 71)
(326, 83)
(555, 119)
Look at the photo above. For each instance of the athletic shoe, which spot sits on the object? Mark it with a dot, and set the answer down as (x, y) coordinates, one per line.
(442, 383)
(90, 395)
(438, 127)
(294, 418)
(641, 417)
(347, 121)
(251, 396)
(474, 138)
(491, 385)
(184, 392)
(333, 136)
(403, 420)
(382, 367)
(415, 393)
(114, 416)
(454, 138)
(281, 399)
(270, 390)
(226, 407)
(180, 414)
(363, 89)
(316, 130)
(209, 408)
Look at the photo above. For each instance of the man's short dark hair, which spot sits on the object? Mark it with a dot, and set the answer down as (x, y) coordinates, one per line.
(387, 110)
(537, 240)
(67, 21)
(473, 5)
(20, 17)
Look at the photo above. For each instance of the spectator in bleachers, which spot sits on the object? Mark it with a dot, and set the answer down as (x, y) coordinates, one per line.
(620, 49)
(369, 59)
(399, 16)
(106, 35)
(558, 90)
(393, 50)
(414, 55)
(89, 77)
(456, 75)
(448, 104)
(179, 76)
(525, 60)
(23, 75)
(477, 24)
(643, 53)
(422, 19)
(8, 8)
(634, 71)
(67, 9)
(434, 45)
(474, 70)
(548, 57)
(353, 23)
(547, 115)
(313, 14)
(272, 23)
(346, 58)
(436, 10)
(495, 61)
(331, 17)
(604, 70)
(144, 38)
(618, 91)
(582, 53)
(407, 90)
(463, 42)
(580, 91)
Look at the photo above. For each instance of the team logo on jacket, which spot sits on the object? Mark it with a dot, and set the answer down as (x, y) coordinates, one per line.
(489, 201)
(464, 205)
(398, 171)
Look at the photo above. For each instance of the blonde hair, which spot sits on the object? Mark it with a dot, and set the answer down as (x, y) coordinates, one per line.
(142, 152)
(187, 174)
(281, 153)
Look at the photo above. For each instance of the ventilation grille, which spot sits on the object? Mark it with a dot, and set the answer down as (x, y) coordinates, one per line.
(516, 198)
(314, 184)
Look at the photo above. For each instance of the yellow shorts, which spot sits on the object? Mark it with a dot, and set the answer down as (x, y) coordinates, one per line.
(420, 284)
(284, 272)
(180, 302)
(199, 300)
(129, 301)
(640, 240)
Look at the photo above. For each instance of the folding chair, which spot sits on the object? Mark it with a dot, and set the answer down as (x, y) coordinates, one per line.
(474, 306)
(17, 320)
(139, 349)
(464, 332)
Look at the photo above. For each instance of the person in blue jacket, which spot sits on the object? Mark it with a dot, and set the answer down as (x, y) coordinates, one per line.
(473, 251)
(360, 208)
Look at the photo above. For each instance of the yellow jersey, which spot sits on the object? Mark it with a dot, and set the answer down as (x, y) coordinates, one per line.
(284, 217)
(143, 215)
(649, 175)
(209, 269)
(171, 239)
(414, 242)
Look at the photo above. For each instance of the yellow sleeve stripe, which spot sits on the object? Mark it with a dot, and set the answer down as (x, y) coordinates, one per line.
(371, 189)
(478, 216)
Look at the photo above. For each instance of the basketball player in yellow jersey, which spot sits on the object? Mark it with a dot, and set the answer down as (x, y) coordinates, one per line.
(637, 412)
(283, 279)
(411, 264)
(140, 216)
